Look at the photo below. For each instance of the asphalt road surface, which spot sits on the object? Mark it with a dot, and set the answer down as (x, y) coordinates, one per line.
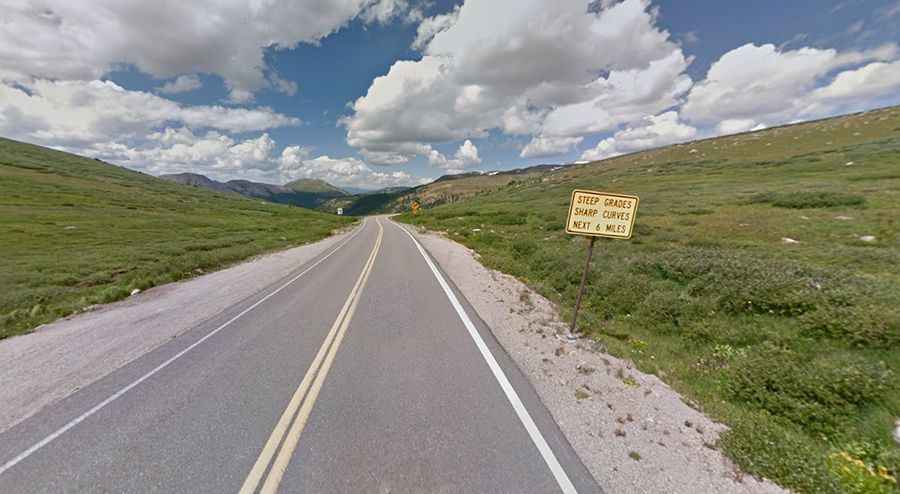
(364, 370)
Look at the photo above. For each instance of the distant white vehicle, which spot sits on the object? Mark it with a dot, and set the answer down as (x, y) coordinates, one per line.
(340, 211)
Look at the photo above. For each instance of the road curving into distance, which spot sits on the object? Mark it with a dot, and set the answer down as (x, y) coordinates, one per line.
(366, 371)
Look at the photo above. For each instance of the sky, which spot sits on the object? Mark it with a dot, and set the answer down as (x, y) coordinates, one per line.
(378, 93)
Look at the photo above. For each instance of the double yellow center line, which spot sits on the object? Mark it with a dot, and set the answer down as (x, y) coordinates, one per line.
(289, 427)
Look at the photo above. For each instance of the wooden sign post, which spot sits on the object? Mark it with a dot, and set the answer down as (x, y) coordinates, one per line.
(598, 214)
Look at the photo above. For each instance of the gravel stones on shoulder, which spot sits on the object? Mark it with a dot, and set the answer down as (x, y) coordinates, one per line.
(632, 431)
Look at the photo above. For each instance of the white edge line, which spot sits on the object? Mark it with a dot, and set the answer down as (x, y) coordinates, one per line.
(536, 437)
(77, 420)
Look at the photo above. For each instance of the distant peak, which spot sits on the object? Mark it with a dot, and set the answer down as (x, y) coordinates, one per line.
(314, 185)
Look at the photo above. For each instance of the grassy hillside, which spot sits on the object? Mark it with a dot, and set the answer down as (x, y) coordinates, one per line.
(762, 282)
(77, 232)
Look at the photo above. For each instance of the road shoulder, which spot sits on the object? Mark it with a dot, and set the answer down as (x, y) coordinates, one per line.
(632, 431)
(40, 368)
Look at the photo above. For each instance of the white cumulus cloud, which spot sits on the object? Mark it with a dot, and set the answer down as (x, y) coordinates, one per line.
(385, 11)
(766, 85)
(872, 81)
(62, 39)
(175, 150)
(737, 125)
(430, 26)
(222, 157)
(342, 172)
(466, 155)
(653, 131)
(550, 69)
(81, 112)
(549, 146)
(181, 84)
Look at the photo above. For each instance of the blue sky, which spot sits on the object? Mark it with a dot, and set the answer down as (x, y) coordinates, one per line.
(289, 91)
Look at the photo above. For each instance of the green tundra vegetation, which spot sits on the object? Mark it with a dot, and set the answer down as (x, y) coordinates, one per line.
(762, 282)
(76, 232)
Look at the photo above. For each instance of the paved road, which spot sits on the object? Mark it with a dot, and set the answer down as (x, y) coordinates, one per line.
(362, 371)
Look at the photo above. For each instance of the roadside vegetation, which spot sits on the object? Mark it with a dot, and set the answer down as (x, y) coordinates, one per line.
(762, 283)
(75, 232)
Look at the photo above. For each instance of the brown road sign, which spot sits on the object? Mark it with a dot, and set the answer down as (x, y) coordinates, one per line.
(601, 214)
(415, 207)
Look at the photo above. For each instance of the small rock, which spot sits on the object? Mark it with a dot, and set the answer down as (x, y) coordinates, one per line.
(688, 423)
(692, 151)
(804, 217)
(476, 229)
(136, 291)
(843, 218)
(787, 240)
(585, 369)
(70, 227)
(867, 238)
(849, 163)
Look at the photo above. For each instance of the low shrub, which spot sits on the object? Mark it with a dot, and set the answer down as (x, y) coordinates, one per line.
(610, 297)
(523, 248)
(808, 199)
(739, 282)
(861, 326)
(762, 446)
(667, 309)
(508, 219)
(818, 396)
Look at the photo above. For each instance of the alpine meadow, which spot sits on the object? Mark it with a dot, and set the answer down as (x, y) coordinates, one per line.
(79, 232)
(761, 282)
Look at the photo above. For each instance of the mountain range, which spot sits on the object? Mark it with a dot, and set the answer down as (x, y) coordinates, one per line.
(443, 190)
(307, 193)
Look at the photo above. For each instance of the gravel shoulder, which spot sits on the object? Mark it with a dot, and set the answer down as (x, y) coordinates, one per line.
(632, 431)
(42, 367)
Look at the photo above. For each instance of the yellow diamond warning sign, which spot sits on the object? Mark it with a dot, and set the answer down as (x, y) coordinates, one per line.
(601, 214)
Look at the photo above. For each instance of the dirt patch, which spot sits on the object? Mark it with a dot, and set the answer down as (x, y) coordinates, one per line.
(632, 431)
